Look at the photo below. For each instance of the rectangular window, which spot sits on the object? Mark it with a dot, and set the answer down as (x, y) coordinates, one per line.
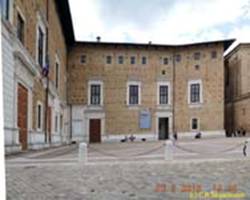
(56, 123)
(194, 124)
(197, 55)
(120, 60)
(61, 123)
(132, 60)
(39, 116)
(195, 93)
(108, 59)
(5, 4)
(95, 94)
(163, 94)
(133, 94)
(40, 46)
(83, 59)
(178, 58)
(213, 54)
(144, 60)
(57, 75)
(20, 28)
(165, 61)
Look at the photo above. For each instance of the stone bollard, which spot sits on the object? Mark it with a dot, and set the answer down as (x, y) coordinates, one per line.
(83, 153)
(169, 150)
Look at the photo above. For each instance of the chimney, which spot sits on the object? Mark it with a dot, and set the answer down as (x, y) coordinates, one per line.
(98, 38)
(150, 42)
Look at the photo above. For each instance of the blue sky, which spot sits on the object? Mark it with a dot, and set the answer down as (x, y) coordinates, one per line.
(161, 21)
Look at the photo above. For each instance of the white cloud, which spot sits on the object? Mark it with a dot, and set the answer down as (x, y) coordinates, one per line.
(180, 22)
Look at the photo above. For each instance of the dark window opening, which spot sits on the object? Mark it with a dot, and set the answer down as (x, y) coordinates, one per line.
(197, 67)
(133, 94)
(40, 46)
(194, 124)
(83, 59)
(178, 58)
(197, 55)
(165, 61)
(213, 54)
(108, 59)
(195, 93)
(39, 116)
(163, 94)
(20, 28)
(95, 96)
(132, 60)
(57, 75)
(144, 60)
(56, 123)
(120, 60)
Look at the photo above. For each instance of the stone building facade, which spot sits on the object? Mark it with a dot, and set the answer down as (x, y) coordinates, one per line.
(36, 36)
(237, 88)
(147, 90)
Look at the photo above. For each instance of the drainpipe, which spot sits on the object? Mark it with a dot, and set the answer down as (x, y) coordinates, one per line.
(173, 91)
(47, 78)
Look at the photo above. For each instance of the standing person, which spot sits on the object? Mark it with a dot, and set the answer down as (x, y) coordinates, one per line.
(175, 136)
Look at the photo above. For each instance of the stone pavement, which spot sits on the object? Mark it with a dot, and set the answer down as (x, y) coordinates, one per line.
(125, 181)
(56, 174)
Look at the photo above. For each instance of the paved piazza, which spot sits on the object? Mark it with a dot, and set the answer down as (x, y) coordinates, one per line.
(130, 171)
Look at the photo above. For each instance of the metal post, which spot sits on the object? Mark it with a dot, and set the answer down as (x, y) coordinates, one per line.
(83, 153)
(169, 150)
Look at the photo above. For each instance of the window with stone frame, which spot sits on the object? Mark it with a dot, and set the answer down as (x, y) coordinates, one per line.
(20, 28)
(132, 60)
(120, 59)
(197, 56)
(133, 94)
(165, 61)
(214, 54)
(178, 58)
(108, 59)
(163, 94)
(95, 94)
(195, 93)
(144, 60)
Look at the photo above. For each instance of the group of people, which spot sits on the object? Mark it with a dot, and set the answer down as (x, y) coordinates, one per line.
(240, 132)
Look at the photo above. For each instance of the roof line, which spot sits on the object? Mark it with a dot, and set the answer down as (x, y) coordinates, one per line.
(227, 43)
(235, 49)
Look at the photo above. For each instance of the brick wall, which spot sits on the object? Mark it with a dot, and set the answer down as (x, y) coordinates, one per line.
(238, 88)
(119, 118)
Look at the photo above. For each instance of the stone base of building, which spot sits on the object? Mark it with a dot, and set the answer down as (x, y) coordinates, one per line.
(204, 134)
(154, 137)
(12, 149)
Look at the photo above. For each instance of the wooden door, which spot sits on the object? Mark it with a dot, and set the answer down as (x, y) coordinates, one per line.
(94, 130)
(22, 121)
